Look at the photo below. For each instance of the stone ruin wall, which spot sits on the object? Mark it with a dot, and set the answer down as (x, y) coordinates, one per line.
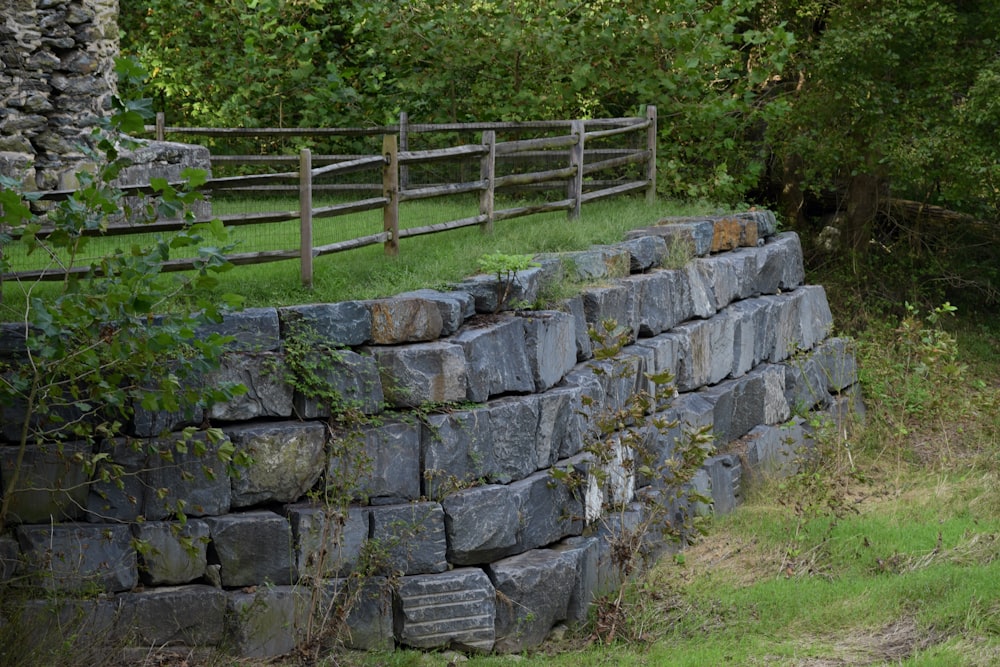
(57, 79)
(482, 551)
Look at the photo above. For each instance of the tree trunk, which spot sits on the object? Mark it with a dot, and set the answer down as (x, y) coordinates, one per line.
(862, 202)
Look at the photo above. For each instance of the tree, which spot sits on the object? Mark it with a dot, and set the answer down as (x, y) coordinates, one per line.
(890, 100)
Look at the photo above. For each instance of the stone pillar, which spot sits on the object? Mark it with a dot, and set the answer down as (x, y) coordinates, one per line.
(57, 80)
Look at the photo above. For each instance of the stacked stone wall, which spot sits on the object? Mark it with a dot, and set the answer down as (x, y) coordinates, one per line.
(477, 547)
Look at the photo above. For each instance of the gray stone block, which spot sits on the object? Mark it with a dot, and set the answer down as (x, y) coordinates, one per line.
(496, 359)
(345, 323)
(13, 341)
(50, 631)
(172, 553)
(187, 475)
(550, 345)
(288, 458)
(252, 330)
(266, 380)
(193, 615)
(712, 345)
(263, 623)
(786, 323)
(597, 263)
(364, 607)
(771, 450)
(404, 320)
(724, 471)
(766, 222)
(421, 373)
(559, 433)
(661, 299)
(584, 346)
(327, 542)
(481, 524)
(780, 264)
(348, 380)
(805, 384)
(601, 304)
(412, 538)
(548, 511)
(693, 235)
(121, 496)
(391, 458)
(645, 252)
(253, 548)
(456, 449)
(51, 483)
(514, 436)
(586, 550)
(486, 290)
(456, 609)
(454, 307)
(837, 363)
(534, 590)
(701, 292)
(74, 557)
(750, 334)
(817, 321)
(10, 556)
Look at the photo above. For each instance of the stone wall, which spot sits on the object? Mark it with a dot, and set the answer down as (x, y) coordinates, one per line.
(57, 79)
(478, 548)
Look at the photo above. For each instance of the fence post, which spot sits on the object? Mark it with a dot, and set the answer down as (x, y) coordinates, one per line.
(160, 127)
(651, 147)
(305, 217)
(487, 172)
(404, 145)
(390, 190)
(576, 160)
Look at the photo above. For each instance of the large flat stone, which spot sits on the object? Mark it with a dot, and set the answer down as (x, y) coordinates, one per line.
(389, 469)
(345, 323)
(264, 622)
(421, 373)
(404, 320)
(411, 537)
(496, 359)
(192, 616)
(268, 389)
(454, 307)
(341, 380)
(550, 344)
(456, 449)
(711, 346)
(455, 609)
(645, 252)
(287, 459)
(534, 590)
(172, 553)
(514, 436)
(75, 557)
(252, 330)
(253, 548)
(548, 511)
(51, 485)
(187, 476)
(481, 523)
(363, 607)
(328, 541)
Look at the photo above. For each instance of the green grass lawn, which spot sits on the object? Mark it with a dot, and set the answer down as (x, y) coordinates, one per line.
(432, 260)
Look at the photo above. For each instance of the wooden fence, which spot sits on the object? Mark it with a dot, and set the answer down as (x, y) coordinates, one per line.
(577, 176)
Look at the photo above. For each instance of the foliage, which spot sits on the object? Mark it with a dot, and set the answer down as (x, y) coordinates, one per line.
(899, 91)
(84, 372)
(321, 63)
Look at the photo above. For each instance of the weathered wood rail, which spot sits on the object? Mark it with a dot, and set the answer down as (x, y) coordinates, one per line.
(575, 179)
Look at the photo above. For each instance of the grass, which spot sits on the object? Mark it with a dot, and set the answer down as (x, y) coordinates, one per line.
(433, 260)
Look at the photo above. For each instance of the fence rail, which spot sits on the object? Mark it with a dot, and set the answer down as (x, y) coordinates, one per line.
(390, 168)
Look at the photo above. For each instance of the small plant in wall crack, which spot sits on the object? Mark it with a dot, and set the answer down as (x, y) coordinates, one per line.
(505, 268)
